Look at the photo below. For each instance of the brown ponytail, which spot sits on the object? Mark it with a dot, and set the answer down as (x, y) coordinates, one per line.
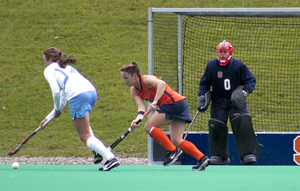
(57, 56)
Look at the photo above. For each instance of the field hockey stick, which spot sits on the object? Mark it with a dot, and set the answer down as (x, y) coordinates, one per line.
(112, 146)
(186, 134)
(28, 138)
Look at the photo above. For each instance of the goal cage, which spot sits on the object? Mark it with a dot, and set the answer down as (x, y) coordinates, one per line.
(182, 40)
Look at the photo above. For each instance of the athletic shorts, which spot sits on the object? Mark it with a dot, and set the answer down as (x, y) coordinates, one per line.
(176, 111)
(220, 108)
(82, 104)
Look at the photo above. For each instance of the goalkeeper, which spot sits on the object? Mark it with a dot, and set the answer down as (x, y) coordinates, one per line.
(231, 82)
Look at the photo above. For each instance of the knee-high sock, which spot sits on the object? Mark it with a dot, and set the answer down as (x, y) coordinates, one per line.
(190, 149)
(96, 145)
(159, 136)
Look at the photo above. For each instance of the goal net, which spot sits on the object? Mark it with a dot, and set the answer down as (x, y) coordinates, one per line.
(182, 41)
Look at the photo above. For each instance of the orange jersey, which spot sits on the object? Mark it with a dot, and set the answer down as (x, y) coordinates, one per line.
(148, 94)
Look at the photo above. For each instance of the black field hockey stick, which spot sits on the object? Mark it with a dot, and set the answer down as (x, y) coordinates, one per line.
(112, 146)
(186, 134)
(28, 138)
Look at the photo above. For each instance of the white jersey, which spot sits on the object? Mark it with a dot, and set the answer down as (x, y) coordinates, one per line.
(65, 84)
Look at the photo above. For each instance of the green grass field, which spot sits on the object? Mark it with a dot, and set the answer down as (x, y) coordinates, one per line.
(103, 35)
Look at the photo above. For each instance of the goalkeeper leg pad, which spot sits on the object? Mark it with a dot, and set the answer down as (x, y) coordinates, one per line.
(218, 142)
(244, 136)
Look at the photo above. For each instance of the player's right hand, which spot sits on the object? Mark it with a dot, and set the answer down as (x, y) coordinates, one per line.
(152, 106)
(201, 104)
(57, 113)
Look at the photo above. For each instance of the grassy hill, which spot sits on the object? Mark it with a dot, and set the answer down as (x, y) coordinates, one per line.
(104, 36)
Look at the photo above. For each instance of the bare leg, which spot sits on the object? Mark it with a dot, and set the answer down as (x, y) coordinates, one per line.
(156, 120)
(176, 132)
(82, 126)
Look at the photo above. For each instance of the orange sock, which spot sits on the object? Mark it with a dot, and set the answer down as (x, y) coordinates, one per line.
(190, 149)
(159, 136)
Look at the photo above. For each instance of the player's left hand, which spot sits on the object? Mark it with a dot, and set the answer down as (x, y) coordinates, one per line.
(134, 124)
(245, 92)
(42, 126)
(152, 106)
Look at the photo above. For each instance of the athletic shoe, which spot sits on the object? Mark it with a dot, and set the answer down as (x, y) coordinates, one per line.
(110, 164)
(249, 159)
(97, 158)
(171, 157)
(202, 163)
(218, 160)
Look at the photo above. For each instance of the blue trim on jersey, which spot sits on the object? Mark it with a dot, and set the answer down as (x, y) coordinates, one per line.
(66, 77)
(169, 96)
(73, 70)
(230, 62)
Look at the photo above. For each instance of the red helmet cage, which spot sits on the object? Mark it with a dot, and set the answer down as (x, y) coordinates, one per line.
(225, 46)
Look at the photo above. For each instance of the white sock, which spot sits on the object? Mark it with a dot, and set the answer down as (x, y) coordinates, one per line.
(96, 145)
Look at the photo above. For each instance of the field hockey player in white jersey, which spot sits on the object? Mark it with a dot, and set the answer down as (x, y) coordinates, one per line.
(67, 84)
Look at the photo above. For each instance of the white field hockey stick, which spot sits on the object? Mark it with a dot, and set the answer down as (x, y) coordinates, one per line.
(29, 137)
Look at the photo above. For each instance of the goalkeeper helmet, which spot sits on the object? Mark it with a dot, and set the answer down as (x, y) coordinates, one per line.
(224, 52)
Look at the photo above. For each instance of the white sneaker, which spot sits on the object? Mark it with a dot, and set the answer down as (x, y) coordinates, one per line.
(110, 164)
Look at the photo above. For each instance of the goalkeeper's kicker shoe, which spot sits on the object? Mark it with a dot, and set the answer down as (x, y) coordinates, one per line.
(249, 159)
(110, 164)
(97, 158)
(218, 160)
(202, 163)
(171, 157)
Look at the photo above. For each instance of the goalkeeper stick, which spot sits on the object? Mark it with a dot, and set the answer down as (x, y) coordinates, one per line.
(29, 137)
(186, 134)
(112, 146)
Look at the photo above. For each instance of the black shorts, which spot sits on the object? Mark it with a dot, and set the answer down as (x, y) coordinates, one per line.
(176, 111)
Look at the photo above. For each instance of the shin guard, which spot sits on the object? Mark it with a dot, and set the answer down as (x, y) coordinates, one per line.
(218, 138)
(244, 135)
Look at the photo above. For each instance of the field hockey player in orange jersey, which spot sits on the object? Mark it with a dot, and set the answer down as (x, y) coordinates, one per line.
(173, 111)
